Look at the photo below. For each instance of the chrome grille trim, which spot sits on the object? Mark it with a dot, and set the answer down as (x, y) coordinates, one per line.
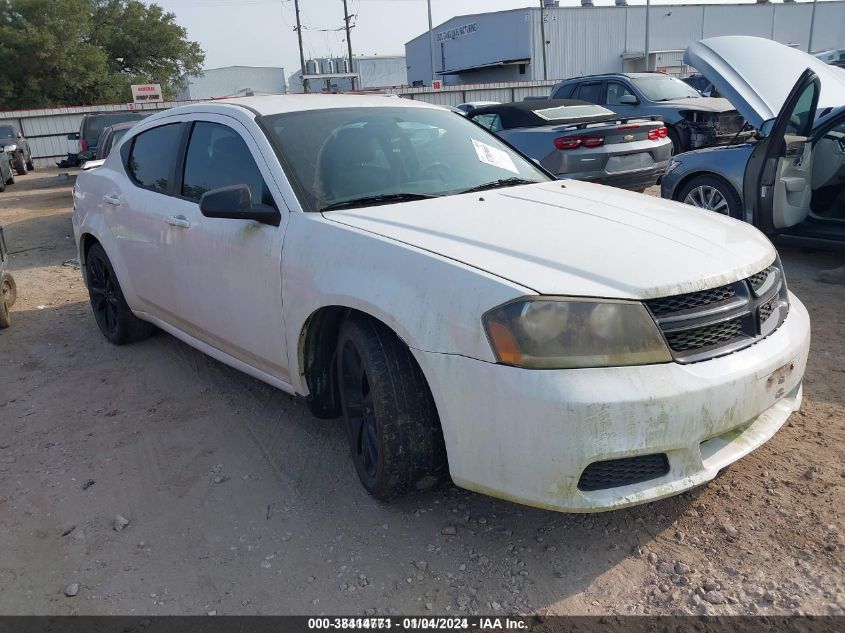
(702, 325)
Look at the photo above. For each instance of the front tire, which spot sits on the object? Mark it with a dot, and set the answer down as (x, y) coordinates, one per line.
(113, 316)
(20, 165)
(5, 316)
(713, 194)
(8, 289)
(390, 416)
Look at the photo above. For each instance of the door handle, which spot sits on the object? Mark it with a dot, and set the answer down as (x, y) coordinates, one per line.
(179, 220)
(112, 200)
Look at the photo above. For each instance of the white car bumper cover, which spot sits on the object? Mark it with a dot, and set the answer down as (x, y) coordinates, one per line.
(527, 435)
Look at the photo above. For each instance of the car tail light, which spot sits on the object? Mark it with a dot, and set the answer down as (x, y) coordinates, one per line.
(567, 142)
(657, 133)
(593, 141)
(83, 145)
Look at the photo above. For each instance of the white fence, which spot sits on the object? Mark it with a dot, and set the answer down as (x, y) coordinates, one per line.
(47, 129)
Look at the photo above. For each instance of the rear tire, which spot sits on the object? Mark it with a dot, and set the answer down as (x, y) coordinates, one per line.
(713, 194)
(113, 315)
(390, 416)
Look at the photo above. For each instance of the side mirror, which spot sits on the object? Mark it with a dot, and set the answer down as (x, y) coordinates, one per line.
(73, 137)
(235, 203)
(628, 100)
(20, 136)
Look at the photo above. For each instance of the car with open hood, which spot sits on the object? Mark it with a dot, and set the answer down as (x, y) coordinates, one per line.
(556, 343)
(583, 141)
(790, 180)
(692, 119)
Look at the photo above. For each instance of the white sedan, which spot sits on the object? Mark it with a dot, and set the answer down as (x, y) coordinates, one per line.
(564, 345)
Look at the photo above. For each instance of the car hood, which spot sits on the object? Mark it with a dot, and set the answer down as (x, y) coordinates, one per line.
(704, 104)
(757, 75)
(576, 239)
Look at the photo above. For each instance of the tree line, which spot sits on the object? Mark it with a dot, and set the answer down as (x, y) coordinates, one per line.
(79, 52)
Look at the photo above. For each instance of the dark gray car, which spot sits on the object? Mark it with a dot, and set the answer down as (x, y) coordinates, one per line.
(17, 146)
(693, 121)
(583, 141)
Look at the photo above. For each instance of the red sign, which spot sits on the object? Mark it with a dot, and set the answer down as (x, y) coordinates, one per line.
(437, 84)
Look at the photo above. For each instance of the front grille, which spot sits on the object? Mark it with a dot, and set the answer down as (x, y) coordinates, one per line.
(707, 336)
(718, 321)
(679, 303)
(613, 473)
(757, 280)
(767, 309)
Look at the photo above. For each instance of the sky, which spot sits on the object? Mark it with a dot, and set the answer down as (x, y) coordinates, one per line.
(261, 32)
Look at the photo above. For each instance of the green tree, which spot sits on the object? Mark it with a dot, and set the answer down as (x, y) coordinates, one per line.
(74, 52)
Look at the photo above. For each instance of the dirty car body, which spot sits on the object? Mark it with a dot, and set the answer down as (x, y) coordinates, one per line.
(571, 346)
(576, 139)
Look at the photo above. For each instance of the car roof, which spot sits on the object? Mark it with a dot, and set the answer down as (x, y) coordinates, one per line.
(628, 75)
(125, 125)
(524, 113)
(278, 104)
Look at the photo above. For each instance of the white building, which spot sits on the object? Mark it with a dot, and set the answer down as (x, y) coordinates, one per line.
(234, 81)
(583, 40)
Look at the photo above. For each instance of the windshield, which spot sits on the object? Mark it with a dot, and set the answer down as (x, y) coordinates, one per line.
(664, 88)
(392, 153)
(6, 131)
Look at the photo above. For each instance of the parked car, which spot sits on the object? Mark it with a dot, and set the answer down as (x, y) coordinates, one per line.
(107, 141)
(17, 146)
(559, 344)
(576, 139)
(693, 121)
(7, 171)
(791, 182)
(703, 85)
(8, 289)
(468, 107)
(92, 126)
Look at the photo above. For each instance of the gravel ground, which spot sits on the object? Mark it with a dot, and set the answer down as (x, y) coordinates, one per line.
(151, 479)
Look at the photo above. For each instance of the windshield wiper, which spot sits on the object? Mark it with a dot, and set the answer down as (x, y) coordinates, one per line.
(385, 198)
(497, 184)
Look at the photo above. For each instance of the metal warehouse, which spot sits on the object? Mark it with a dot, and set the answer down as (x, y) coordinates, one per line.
(581, 40)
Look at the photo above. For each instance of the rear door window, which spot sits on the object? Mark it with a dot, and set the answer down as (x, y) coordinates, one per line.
(217, 157)
(152, 159)
(589, 92)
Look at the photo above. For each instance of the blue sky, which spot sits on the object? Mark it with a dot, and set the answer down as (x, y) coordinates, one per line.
(260, 32)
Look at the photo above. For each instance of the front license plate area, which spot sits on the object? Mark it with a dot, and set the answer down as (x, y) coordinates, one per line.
(781, 381)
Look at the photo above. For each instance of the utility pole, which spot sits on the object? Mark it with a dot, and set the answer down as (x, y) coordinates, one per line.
(647, 24)
(543, 36)
(348, 42)
(301, 54)
(812, 28)
(431, 41)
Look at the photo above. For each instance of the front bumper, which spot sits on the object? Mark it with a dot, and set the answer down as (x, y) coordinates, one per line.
(527, 435)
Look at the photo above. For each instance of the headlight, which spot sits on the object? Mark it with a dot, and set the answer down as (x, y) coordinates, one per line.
(11, 148)
(561, 333)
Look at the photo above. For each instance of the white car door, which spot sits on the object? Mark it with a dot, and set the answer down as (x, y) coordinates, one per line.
(226, 272)
(135, 204)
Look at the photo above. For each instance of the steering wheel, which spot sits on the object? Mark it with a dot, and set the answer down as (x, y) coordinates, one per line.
(438, 171)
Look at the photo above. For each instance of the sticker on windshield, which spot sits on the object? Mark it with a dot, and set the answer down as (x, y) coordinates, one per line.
(494, 156)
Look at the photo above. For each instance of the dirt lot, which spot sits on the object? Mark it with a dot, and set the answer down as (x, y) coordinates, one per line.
(239, 502)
